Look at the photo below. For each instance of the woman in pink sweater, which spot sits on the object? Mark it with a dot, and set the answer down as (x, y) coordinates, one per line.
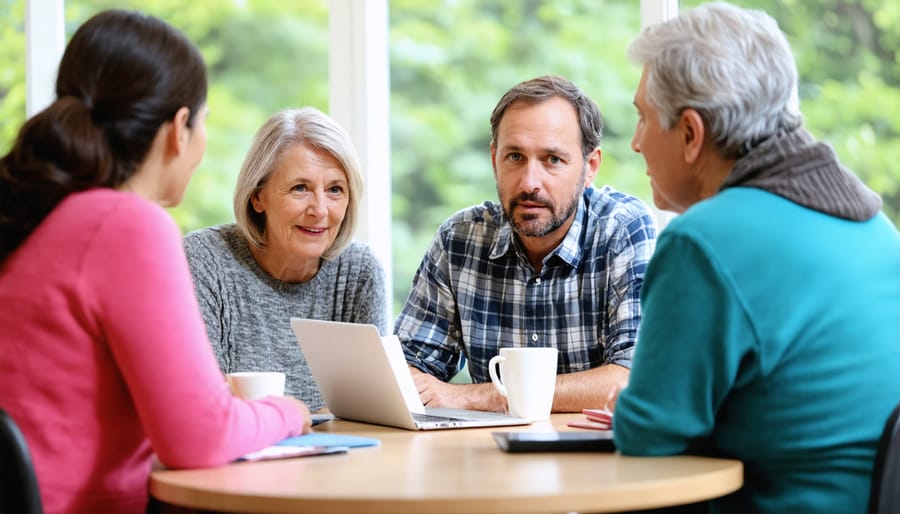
(103, 352)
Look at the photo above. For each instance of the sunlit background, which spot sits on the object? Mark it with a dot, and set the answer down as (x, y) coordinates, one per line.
(451, 60)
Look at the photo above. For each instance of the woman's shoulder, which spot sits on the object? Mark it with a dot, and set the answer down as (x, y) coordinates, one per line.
(100, 202)
(358, 251)
(214, 237)
(359, 258)
(115, 212)
(106, 227)
(218, 246)
(217, 241)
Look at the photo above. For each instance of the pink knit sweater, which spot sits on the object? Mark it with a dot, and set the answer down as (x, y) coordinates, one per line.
(104, 358)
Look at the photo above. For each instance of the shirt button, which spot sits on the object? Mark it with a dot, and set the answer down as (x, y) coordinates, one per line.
(534, 337)
(537, 280)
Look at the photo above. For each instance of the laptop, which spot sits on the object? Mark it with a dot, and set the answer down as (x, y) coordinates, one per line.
(364, 377)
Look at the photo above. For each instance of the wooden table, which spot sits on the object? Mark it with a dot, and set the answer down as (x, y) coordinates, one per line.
(449, 471)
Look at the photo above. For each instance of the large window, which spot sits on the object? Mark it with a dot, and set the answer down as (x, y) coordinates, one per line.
(12, 70)
(450, 63)
(451, 60)
(262, 56)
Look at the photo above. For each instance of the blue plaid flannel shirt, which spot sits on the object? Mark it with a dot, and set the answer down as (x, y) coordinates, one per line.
(475, 291)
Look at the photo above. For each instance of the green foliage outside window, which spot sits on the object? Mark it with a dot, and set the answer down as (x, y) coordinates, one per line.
(451, 60)
(848, 57)
(262, 56)
(449, 67)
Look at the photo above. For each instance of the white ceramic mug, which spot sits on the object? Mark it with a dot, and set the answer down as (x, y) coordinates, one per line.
(251, 385)
(527, 380)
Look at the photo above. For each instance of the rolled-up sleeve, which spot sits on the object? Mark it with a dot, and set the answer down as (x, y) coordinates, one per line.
(428, 325)
(630, 250)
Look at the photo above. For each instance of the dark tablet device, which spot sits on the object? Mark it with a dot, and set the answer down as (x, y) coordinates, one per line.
(594, 441)
(319, 418)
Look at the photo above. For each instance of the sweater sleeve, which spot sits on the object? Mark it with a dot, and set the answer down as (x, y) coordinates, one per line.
(146, 308)
(371, 305)
(694, 335)
(428, 325)
(202, 262)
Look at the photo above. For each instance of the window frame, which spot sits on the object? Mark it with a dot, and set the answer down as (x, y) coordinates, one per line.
(359, 93)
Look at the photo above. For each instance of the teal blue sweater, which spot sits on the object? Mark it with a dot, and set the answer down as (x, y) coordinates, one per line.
(770, 334)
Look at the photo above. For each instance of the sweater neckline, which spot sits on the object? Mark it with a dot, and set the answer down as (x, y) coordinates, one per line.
(241, 249)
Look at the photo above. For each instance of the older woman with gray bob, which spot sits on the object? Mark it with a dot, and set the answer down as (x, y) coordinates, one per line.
(290, 252)
(770, 322)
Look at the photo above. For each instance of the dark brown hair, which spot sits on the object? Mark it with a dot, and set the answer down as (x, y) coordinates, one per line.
(122, 75)
(543, 88)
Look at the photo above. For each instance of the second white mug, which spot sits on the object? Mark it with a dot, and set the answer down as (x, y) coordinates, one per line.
(527, 378)
(251, 385)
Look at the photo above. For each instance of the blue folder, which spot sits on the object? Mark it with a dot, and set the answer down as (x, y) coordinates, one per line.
(329, 439)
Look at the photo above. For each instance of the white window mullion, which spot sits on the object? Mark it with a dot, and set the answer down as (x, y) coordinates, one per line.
(44, 43)
(653, 12)
(359, 99)
(656, 11)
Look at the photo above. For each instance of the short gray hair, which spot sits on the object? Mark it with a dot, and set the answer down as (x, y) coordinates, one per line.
(284, 130)
(734, 66)
(541, 89)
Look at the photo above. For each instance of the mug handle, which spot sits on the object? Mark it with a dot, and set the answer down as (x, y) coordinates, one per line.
(493, 364)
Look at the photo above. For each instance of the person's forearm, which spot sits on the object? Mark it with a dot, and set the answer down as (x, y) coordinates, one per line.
(435, 393)
(588, 389)
(483, 397)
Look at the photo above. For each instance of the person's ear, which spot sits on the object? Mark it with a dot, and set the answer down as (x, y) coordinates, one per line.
(694, 132)
(180, 135)
(256, 202)
(593, 165)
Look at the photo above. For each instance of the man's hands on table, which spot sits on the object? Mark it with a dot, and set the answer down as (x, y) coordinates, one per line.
(595, 388)
(436, 393)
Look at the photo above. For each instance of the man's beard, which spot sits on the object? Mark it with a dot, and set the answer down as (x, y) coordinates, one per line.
(528, 226)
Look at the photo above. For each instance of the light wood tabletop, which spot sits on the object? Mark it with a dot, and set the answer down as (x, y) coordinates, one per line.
(449, 471)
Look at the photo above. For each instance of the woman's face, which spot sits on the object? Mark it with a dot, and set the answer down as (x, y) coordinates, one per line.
(192, 154)
(304, 201)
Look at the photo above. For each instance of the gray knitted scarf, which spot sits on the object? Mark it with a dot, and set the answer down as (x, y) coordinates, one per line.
(793, 165)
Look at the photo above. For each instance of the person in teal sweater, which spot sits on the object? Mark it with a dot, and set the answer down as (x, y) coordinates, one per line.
(771, 306)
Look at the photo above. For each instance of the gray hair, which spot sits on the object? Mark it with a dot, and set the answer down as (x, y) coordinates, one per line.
(543, 88)
(732, 65)
(309, 127)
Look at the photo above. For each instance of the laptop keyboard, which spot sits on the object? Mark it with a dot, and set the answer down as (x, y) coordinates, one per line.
(431, 417)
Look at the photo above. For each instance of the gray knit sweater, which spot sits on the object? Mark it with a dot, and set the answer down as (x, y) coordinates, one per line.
(247, 311)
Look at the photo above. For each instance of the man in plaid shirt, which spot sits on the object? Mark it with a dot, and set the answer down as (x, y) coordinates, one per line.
(557, 262)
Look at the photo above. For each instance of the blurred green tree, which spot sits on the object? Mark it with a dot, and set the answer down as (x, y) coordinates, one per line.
(451, 60)
(848, 58)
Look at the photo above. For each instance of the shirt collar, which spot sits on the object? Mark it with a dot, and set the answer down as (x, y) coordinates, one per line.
(569, 250)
